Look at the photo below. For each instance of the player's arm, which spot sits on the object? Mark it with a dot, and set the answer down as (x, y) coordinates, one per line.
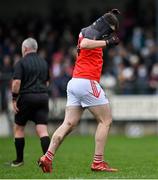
(92, 44)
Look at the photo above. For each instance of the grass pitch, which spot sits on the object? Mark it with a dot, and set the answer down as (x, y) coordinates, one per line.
(135, 158)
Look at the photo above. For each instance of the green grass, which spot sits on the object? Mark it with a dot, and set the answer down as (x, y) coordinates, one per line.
(135, 158)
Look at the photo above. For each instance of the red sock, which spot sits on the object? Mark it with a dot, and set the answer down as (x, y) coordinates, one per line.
(98, 158)
(49, 155)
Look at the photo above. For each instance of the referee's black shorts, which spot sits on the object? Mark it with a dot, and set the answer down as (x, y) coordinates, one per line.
(33, 107)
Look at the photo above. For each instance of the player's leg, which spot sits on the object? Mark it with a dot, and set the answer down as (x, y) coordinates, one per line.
(98, 104)
(73, 114)
(19, 142)
(42, 132)
(72, 117)
(103, 116)
(102, 113)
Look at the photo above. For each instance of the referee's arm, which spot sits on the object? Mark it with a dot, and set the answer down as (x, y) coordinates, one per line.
(16, 83)
(16, 86)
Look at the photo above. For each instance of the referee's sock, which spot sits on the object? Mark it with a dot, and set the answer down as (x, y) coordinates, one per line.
(45, 141)
(19, 146)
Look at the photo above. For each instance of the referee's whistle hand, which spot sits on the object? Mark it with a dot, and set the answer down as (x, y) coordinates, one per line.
(15, 108)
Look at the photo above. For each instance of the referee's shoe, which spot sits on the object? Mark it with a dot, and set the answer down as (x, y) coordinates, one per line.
(16, 163)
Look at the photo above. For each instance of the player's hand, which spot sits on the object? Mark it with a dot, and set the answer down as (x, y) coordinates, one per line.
(113, 41)
(15, 108)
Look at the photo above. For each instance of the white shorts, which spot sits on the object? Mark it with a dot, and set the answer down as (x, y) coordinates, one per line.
(85, 93)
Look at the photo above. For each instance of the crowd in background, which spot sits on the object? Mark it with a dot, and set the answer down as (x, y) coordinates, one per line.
(129, 68)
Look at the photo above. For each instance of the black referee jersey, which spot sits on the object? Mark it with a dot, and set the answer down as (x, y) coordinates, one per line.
(33, 100)
(33, 72)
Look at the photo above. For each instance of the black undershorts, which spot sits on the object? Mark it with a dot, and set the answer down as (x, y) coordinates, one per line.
(33, 107)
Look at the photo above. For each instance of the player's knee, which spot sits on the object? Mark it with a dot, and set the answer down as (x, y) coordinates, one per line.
(107, 122)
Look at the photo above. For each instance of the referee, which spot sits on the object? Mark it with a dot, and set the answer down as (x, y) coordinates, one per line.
(30, 97)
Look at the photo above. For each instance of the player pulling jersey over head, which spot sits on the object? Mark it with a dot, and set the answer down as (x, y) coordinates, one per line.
(89, 61)
(84, 91)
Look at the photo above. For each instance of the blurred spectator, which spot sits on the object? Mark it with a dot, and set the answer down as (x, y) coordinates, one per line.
(142, 80)
(5, 78)
(153, 79)
(137, 38)
(108, 82)
(126, 80)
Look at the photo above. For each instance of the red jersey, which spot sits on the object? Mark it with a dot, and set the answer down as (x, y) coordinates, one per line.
(88, 63)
